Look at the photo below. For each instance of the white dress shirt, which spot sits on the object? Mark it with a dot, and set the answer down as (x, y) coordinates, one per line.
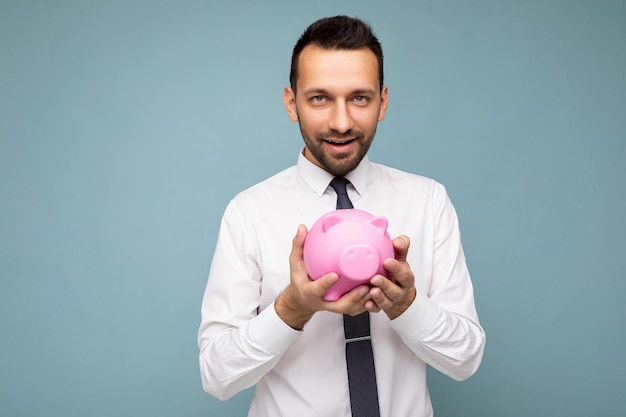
(303, 373)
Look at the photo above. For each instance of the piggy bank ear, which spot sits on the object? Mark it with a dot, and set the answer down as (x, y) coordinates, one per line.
(329, 221)
(379, 222)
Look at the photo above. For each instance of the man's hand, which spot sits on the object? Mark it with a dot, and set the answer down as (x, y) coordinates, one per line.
(304, 297)
(395, 294)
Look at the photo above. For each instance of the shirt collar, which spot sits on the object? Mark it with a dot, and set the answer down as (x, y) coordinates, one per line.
(318, 179)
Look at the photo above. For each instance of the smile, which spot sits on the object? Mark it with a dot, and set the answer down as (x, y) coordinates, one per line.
(345, 142)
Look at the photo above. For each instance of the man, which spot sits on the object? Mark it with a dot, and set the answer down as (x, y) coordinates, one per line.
(266, 323)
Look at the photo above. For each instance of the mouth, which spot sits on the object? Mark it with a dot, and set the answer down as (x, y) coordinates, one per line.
(340, 147)
(341, 142)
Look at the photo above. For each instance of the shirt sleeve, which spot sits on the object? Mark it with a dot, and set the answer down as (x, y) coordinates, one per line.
(238, 344)
(441, 327)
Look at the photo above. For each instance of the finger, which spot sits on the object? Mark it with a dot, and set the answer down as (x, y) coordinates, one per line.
(380, 298)
(323, 284)
(384, 288)
(401, 247)
(296, 259)
(352, 302)
(371, 306)
(297, 244)
(399, 273)
(358, 294)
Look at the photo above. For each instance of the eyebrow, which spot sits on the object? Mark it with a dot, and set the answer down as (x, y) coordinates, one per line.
(322, 91)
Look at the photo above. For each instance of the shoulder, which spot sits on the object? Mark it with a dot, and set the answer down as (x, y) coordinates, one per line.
(268, 191)
(404, 180)
(414, 190)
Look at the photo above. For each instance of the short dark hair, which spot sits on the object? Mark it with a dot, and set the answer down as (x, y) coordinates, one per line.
(338, 32)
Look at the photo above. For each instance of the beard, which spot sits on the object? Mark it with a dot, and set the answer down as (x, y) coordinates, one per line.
(340, 164)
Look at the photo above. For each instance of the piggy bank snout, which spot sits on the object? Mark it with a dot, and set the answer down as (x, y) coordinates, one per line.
(359, 261)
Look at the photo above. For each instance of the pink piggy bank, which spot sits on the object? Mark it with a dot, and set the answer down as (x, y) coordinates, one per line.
(351, 242)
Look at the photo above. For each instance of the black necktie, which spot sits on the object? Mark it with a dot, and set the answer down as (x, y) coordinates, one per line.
(359, 355)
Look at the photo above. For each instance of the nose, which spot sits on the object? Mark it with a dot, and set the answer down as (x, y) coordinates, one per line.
(340, 119)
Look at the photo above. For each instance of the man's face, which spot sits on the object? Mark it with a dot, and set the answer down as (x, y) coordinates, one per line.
(338, 103)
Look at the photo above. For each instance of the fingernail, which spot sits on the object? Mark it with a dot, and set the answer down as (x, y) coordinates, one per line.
(332, 279)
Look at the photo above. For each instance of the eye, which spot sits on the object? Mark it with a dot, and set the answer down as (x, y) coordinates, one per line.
(362, 100)
(318, 99)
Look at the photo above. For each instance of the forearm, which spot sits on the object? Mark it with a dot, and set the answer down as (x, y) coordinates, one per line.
(441, 326)
(451, 343)
(235, 358)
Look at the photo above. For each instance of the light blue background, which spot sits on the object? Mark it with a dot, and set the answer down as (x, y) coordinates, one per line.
(126, 126)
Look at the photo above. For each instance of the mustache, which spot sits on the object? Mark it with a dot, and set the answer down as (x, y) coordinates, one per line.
(336, 135)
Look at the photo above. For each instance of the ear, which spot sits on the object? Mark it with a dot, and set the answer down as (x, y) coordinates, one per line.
(379, 222)
(290, 104)
(329, 221)
(384, 99)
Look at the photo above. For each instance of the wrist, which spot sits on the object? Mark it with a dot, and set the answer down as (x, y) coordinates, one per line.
(290, 311)
(398, 308)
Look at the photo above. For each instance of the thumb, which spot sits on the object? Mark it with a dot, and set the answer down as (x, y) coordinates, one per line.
(325, 282)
